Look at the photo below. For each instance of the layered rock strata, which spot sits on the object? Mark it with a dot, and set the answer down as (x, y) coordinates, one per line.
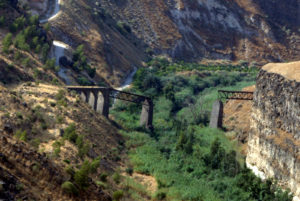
(274, 139)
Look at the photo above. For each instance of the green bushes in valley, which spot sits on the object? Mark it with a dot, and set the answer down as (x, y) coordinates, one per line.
(189, 160)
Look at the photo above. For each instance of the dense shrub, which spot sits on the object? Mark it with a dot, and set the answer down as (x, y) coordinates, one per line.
(70, 133)
(70, 188)
(117, 195)
(7, 42)
(81, 176)
(21, 135)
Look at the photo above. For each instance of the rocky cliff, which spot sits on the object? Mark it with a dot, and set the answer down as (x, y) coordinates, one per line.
(192, 30)
(273, 146)
(118, 35)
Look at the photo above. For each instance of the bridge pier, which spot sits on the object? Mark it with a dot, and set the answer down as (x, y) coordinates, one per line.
(84, 96)
(147, 114)
(99, 97)
(216, 115)
(92, 99)
(102, 105)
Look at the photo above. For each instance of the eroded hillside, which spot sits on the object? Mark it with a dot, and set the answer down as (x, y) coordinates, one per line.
(234, 30)
(119, 35)
(46, 137)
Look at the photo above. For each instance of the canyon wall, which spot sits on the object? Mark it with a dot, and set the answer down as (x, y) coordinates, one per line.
(274, 139)
(119, 35)
(264, 30)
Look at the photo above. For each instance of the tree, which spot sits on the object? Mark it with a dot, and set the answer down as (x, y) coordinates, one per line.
(7, 42)
(81, 176)
(50, 64)
(45, 50)
(47, 27)
(20, 42)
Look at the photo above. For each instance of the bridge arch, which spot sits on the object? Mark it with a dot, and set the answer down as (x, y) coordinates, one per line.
(99, 99)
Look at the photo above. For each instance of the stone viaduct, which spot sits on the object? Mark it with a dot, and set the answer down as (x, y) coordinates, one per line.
(99, 99)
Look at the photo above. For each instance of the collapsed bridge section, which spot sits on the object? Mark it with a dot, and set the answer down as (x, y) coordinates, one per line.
(217, 110)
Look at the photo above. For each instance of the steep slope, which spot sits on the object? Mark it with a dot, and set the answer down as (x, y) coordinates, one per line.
(118, 35)
(191, 30)
(39, 150)
(273, 145)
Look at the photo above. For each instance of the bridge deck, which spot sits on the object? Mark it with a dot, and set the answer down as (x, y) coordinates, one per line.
(236, 95)
(114, 93)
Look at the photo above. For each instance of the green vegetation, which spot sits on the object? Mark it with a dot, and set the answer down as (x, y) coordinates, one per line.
(123, 28)
(189, 160)
(117, 195)
(27, 35)
(116, 177)
(71, 135)
(21, 135)
(68, 187)
(80, 62)
(7, 42)
(50, 65)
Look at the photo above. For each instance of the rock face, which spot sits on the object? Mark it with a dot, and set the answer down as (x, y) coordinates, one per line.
(191, 30)
(274, 139)
(37, 7)
(119, 35)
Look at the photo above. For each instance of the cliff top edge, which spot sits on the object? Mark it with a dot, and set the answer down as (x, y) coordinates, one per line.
(290, 70)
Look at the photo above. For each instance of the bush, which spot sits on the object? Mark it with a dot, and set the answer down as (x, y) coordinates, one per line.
(20, 42)
(70, 133)
(70, 170)
(50, 64)
(21, 135)
(83, 81)
(26, 62)
(160, 195)
(82, 151)
(81, 176)
(95, 164)
(45, 50)
(60, 95)
(103, 177)
(129, 171)
(117, 195)
(101, 184)
(7, 42)
(17, 55)
(116, 177)
(123, 28)
(47, 27)
(70, 188)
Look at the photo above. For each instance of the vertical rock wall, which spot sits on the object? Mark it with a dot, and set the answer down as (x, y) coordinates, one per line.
(274, 139)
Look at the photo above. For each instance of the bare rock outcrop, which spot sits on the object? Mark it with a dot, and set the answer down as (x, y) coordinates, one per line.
(274, 139)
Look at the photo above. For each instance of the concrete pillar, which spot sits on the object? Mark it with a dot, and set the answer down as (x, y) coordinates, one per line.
(103, 102)
(216, 115)
(92, 99)
(147, 114)
(83, 96)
